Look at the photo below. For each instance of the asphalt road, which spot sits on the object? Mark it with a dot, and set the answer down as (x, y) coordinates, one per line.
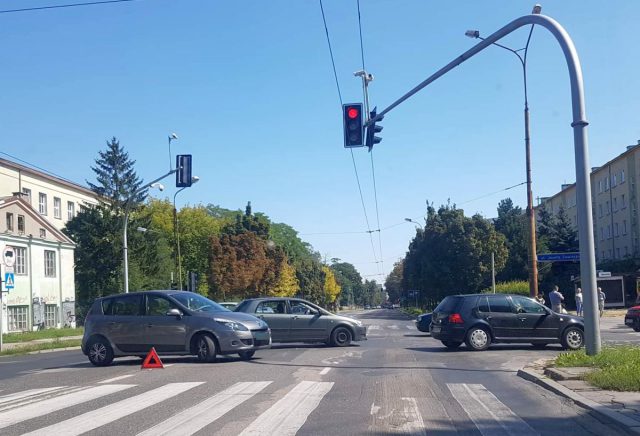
(400, 381)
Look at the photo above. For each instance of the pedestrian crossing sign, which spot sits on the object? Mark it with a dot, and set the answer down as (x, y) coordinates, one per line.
(8, 281)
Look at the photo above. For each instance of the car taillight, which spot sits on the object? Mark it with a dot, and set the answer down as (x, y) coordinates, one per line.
(455, 318)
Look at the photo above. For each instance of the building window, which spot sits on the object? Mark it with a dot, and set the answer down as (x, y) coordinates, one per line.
(622, 176)
(599, 185)
(623, 201)
(618, 252)
(43, 233)
(26, 192)
(9, 222)
(42, 204)
(615, 204)
(608, 231)
(20, 223)
(614, 182)
(49, 263)
(600, 210)
(608, 209)
(57, 208)
(602, 257)
(601, 234)
(624, 227)
(18, 316)
(71, 210)
(606, 184)
(616, 228)
(50, 315)
(21, 264)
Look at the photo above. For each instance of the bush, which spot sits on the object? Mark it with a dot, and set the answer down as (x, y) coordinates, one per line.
(519, 287)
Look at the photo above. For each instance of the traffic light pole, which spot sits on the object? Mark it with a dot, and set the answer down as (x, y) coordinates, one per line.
(579, 125)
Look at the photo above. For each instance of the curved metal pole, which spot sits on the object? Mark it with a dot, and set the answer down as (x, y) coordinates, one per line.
(579, 125)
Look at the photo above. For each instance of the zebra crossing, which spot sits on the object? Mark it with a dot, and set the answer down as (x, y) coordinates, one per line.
(281, 416)
(374, 330)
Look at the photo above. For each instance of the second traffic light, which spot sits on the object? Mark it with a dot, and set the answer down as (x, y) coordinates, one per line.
(352, 119)
(183, 173)
(372, 129)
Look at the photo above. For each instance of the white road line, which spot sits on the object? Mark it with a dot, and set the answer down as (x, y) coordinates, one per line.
(41, 408)
(373, 327)
(28, 393)
(481, 405)
(409, 327)
(324, 371)
(204, 413)
(290, 413)
(413, 420)
(107, 414)
(111, 380)
(393, 327)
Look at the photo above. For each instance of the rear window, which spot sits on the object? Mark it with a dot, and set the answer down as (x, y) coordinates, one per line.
(242, 306)
(124, 305)
(448, 305)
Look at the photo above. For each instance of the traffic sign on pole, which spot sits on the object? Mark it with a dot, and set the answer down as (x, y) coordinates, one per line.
(559, 257)
(9, 256)
(9, 280)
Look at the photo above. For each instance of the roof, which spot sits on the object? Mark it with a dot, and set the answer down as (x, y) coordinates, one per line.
(29, 210)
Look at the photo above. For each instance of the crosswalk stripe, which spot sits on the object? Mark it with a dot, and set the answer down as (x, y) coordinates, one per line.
(373, 327)
(196, 418)
(480, 404)
(97, 418)
(28, 393)
(290, 413)
(49, 405)
(111, 380)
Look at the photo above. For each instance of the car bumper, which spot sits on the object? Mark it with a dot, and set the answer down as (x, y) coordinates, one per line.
(448, 333)
(422, 326)
(631, 321)
(360, 333)
(235, 341)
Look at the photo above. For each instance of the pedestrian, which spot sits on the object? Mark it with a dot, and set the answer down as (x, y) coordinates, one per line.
(579, 302)
(540, 299)
(556, 299)
(601, 298)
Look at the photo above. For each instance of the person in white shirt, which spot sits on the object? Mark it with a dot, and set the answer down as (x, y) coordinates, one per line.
(579, 302)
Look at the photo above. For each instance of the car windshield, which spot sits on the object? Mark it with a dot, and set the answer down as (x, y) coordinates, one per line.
(198, 303)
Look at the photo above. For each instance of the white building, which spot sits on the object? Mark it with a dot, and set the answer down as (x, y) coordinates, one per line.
(34, 207)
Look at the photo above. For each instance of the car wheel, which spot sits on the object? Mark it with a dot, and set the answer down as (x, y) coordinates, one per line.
(478, 339)
(100, 352)
(205, 349)
(539, 345)
(451, 344)
(572, 338)
(246, 355)
(636, 327)
(341, 337)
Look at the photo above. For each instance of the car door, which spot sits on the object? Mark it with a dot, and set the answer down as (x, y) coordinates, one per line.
(276, 314)
(164, 332)
(124, 323)
(307, 323)
(534, 320)
(502, 316)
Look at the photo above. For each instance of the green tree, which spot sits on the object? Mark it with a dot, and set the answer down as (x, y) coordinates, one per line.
(350, 282)
(393, 283)
(331, 286)
(512, 223)
(311, 279)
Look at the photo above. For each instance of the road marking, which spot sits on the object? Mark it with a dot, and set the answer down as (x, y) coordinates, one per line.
(481, 405)
(373, 327)
(290, 413)
(196, 418)
(41, 408)
(324, 371)
(28, 393)
(413, 424)
(393, 327)
(111, 380)
(409, 327)
(107, 414)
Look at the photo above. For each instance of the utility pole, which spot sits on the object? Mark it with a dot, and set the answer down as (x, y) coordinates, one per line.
(493, 273)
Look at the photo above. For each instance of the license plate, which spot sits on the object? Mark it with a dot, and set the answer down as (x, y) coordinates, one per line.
(628, 321)
(261, 336)
(435, 328)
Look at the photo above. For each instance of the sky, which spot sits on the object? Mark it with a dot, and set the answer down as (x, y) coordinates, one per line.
(249, 89)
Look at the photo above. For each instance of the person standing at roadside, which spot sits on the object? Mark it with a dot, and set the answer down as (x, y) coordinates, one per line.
(601, 298)
(556, 299)
(579, 302)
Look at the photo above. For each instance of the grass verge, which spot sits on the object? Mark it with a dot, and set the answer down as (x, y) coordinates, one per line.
(11, 338)
(41, 346)
(615, 368)
(413, 311)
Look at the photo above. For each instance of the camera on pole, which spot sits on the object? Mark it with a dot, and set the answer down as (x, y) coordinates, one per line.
(352, 119)
(183, 173)
(372, 129)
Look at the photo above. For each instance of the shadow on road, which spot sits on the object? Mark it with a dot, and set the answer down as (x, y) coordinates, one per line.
(496, 347)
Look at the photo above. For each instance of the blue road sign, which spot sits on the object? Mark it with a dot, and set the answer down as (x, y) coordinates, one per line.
(559, 257)
(8, 281)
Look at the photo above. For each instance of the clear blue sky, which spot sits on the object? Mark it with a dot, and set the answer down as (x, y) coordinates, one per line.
(248, 87)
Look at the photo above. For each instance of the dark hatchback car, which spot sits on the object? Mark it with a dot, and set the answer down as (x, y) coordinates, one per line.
(632, 318)
(297, 320)
(173, 322)
(481, 319)
(423, 322)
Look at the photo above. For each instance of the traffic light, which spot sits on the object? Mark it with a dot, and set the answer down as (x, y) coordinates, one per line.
(372, 129)
(352, 117)
(183, 175)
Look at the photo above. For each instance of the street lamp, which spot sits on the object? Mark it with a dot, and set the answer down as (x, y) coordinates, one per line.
(194, 180)
(409, 220)
(171, 138)
(533, 261)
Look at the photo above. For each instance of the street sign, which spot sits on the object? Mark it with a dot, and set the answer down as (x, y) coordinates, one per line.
(9, 280)
(9, 256)
(559, 257)
(603, 274)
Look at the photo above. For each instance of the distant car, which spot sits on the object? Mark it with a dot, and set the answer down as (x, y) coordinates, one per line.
(423, 322)
(231, 305)
(632, 318)
(173, 322)
(480, 319)
(367, 307)
(297, 320)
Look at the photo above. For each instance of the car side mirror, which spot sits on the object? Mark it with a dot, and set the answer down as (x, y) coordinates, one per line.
(520, 310)
(174, 312)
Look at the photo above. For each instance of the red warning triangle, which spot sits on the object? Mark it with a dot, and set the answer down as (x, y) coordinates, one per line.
(152, 360)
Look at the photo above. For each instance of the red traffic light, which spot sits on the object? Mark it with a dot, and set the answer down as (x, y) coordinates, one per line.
(353, 113)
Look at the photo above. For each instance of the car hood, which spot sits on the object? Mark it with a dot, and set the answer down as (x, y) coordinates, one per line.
(343, 318)
(249, 321)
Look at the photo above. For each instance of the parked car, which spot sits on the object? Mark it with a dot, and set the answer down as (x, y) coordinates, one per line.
(423, 322)
(481, 319)
(231, 305)
(173, 322)
(632, 318)
(297, 320)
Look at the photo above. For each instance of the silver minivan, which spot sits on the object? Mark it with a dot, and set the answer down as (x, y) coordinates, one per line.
(174, 323)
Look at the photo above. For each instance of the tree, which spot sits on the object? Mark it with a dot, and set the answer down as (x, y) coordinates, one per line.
(331, 286)
(350, 282)
(287, 283)
(393, 283)
(311, 279)
(512, 223)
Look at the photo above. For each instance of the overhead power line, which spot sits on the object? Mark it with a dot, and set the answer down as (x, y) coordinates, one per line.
(68, 5)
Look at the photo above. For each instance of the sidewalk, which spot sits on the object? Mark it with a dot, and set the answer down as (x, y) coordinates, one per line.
(619, 408)
(11, 346)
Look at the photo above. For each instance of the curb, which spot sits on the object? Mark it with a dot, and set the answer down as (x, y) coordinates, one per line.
(598, 409)
(51, 350)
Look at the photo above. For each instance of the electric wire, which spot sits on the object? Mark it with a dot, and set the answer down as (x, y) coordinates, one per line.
(333, 63)
(68, 5)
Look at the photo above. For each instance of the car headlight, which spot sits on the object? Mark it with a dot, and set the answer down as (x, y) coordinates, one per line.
(357, 322)
(236, 326)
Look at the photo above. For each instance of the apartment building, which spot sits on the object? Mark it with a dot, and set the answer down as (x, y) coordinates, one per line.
(614, 200)
(34, 208)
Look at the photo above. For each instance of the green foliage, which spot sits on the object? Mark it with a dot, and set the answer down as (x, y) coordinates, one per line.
(393, 282)
(512, 223)
(331, 286)
(57, 344)
(350, 282)
(12, 338)
(286, 237)
(311, 279)
(519, 287)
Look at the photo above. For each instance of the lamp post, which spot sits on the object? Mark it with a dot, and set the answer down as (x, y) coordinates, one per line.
(533, 261)
(172, 137)
(409, 220)
(176, 233)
